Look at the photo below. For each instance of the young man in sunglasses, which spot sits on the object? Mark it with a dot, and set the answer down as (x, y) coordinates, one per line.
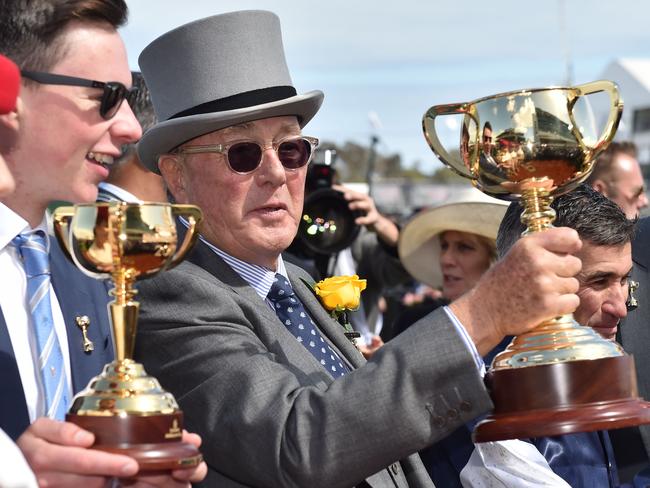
(261, 370)
(73, 124)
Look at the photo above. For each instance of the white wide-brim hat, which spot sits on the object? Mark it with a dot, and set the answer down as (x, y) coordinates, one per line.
(214, 73)
(467, 210)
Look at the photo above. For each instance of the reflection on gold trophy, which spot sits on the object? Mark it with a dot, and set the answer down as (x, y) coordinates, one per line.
(128, 411)
(531, 145)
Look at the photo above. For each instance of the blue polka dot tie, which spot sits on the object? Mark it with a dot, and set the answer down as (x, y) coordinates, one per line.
(293, 315)
(33, 250)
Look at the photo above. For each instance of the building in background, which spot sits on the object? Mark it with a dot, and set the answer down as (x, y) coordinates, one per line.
(633, 79)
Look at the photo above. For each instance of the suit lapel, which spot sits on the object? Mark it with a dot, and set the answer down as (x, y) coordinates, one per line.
(14, 418)
(70, 287)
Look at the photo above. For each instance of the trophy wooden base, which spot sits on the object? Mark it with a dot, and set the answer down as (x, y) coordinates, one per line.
(154, 441)
(563, 398)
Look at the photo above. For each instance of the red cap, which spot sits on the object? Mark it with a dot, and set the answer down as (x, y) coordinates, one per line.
(9, 84)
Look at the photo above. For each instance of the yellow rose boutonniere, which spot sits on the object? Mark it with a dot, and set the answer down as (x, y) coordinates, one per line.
(339, 295)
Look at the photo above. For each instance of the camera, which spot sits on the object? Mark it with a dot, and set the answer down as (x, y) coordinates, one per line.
(327, 225)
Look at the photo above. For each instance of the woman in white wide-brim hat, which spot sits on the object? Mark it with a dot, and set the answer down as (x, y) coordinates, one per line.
(449, 247)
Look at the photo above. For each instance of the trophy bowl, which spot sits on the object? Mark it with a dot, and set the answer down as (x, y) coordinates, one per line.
(126, 409)
(531, 145)
(509, 139)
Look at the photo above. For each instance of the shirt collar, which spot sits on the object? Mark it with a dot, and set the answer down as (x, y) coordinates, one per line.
(119, 192)
(13, 224)
(259, 277)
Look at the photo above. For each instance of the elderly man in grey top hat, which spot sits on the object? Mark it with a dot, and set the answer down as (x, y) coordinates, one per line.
(263, 373)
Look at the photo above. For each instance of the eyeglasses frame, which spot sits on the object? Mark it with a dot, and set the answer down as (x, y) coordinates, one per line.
(64, 80)
(223, 149)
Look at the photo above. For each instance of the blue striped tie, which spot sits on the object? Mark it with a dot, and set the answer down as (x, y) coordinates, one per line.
(32, 247)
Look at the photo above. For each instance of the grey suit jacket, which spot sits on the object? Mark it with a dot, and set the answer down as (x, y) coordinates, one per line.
(269, 414)
(635, 329)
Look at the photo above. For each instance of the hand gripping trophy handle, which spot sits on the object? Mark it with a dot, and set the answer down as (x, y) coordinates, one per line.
(127, 410)
(531, 145)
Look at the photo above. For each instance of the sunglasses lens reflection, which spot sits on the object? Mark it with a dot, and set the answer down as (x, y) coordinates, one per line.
(294, 154)
(245, 157)
(114, 94)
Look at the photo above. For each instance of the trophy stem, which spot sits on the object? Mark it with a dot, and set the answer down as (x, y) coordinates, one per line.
(538, 214)
(124, 314)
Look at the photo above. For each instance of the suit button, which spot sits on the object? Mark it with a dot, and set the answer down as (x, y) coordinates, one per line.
(465, 406)
(394, 468)
(452, 414)
(439, 421)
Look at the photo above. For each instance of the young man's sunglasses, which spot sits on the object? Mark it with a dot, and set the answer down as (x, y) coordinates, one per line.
(245, 156)
(114, 91)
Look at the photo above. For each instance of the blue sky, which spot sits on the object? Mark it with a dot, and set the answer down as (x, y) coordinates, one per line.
(398, 58)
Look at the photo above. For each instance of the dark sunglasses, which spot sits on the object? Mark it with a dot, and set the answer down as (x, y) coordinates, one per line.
(114, 91)
(243, 157)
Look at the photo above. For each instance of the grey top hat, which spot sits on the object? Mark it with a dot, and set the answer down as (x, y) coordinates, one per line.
(216, 72)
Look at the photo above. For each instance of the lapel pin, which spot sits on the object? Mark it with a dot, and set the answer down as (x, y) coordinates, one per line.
(632, 302)
(83, 322)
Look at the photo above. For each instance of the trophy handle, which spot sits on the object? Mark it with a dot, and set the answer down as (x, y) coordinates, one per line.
(615, 112)
(429, 128)
(61, 221)
(194, 216)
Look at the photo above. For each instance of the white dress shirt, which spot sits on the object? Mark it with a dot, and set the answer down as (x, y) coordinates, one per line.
(13, 303)
(14, 470)
(506, 464)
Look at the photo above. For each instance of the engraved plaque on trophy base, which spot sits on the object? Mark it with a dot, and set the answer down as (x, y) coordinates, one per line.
(152, 441)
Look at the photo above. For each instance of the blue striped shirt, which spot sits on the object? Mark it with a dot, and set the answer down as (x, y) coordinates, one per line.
(480, 364)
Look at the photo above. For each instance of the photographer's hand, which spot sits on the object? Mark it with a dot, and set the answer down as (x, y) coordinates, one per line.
(385, 228)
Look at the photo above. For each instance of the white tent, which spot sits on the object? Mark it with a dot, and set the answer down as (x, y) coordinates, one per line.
(633, 79)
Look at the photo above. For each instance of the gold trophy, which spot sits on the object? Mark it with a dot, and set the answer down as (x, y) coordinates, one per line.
(531, 145)
(128, 411)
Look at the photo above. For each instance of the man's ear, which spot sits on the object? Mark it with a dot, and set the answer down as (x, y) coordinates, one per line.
(9, 125)
(11, 120)
(172, 172)
(600, 186)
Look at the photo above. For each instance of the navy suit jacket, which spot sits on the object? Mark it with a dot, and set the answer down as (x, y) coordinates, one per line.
(77, 295)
